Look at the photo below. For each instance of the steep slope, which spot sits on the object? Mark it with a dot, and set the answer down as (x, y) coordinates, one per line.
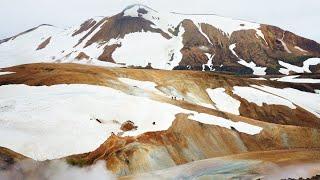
(142, 37)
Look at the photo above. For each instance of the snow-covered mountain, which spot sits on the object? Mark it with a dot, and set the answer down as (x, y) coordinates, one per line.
(116, 93)
(142, 37)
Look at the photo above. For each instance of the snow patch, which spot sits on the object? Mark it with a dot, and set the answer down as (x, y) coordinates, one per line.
(227, 25)
(222, 122)
(145, 85)
(162, 53)
(305, 68)
(310, 62)
(5, 73)
(209, 63)
(259, 33)
(204, 34)
(259, 97)
(223, 101)
(260, 71)
(295, 79)
(306, 100)
(259, 78)
(193, 99)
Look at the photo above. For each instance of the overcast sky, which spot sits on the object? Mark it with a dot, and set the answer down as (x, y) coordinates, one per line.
(300, 16)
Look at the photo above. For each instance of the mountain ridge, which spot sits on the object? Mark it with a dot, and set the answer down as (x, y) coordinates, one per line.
(198, 42)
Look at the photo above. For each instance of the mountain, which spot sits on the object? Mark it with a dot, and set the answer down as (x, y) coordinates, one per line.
(146, 95)
(142, 37)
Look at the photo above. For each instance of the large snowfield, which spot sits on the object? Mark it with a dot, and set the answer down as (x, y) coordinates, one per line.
(47, 122)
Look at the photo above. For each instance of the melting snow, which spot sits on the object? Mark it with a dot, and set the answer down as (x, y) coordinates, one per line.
(4, 73)
(223, 101)
(145, 85)
(306, 100)
(259, 78)
(259, 97)
(204, 34)
(209, 63)
(289, 67)
(295, 79)
(256, 70)
(305, 68)
(310, 62)
(222, 122)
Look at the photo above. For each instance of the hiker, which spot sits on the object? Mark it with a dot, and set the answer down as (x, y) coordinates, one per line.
(233, 129)
(98, 120)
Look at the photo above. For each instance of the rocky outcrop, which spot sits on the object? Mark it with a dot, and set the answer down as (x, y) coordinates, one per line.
(119, 25)
(85, 26)
(249, 47)
(44, 44)
(81, 56)
(107, 53)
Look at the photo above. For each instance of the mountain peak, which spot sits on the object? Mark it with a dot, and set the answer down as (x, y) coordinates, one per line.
(138, 9)
(174, 40)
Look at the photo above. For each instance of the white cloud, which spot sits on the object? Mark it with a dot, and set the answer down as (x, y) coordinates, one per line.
(17, 15)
